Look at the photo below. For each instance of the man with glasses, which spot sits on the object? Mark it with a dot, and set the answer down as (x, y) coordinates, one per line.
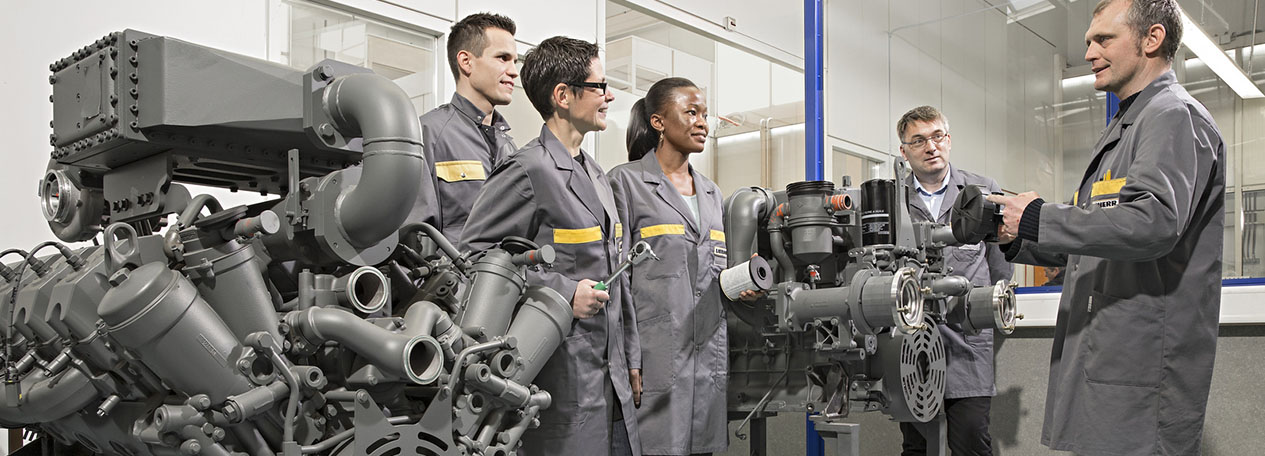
(931, 189)
(1136, 336)
(554, 193)
(466, 137)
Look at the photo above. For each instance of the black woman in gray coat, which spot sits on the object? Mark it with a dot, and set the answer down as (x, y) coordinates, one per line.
(680, 369)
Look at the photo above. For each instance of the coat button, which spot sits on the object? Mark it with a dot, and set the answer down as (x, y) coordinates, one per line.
(698, 294)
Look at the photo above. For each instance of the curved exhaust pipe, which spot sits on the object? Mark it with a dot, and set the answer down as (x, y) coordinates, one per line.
(377, 110)
(419, 358)
(744, 210)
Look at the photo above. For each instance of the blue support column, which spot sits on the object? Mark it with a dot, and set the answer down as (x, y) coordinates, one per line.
(1113, 105)
(814, 139)
(814, 127)
(814, 445)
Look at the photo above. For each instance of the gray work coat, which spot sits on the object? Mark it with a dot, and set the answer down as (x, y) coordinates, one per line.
(684, 348)
(461, 158)
(1137, 324)
(970, 358)
(542, 193)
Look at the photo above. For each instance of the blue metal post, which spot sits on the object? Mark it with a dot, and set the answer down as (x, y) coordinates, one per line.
(1113, 105)
(814, 138)
(814, 128)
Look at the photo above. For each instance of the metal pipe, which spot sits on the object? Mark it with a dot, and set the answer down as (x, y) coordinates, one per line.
(439, 239)
(376, 109)
(417, 358)
(744, 210)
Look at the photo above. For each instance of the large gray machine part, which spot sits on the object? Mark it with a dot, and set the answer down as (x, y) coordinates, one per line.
(314, 323)
(851, 324)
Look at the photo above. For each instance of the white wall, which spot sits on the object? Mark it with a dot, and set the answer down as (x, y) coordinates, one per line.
(989, 78)
(40, 33)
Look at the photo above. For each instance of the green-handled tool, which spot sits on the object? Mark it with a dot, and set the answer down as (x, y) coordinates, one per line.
(640, 251)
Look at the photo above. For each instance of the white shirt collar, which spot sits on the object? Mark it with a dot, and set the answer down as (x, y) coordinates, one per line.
(944, 184)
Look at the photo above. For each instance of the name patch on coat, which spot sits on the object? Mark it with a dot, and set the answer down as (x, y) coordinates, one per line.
(718, 235)
(659, 230)
(1107, 185)
(577, 236)
(720, 252)
(460, 170)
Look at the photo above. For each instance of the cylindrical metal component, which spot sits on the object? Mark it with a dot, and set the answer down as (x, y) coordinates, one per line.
(992, 307)
(234, 286)
(493, 294)
(893, 301)
(878, 197)
(805, 305)
(366, 290)
(953, 285)
(541, 323)
(266, 222)
(256, 401)
(157, 313)
(511, 393)
(809, 220)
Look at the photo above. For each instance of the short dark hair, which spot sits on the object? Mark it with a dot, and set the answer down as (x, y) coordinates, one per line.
(920, 114)
(470, 35)
(1145, 13)
(557, 60)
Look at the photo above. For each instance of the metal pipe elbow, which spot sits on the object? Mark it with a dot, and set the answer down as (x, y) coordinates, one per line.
(377, 110)
(418, 358)
(744, 210)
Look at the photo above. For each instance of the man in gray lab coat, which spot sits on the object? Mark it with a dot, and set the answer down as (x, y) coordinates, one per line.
(466, 137)
(552, 192)
(1137, 325)
(931, 190)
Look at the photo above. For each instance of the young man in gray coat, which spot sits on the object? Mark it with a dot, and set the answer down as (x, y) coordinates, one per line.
(931, 190)
(552, 192)
(1137, 324)
(466, 137)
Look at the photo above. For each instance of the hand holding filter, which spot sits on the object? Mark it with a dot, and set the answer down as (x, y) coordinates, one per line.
(751, 275)
(639, 253)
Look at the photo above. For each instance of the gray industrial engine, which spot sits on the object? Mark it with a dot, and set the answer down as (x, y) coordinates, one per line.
(333, 319)
(856, 296)
(330, 320)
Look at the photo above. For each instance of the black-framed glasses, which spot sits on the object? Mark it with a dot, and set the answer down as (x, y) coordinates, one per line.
(920, 143)
(600, 86)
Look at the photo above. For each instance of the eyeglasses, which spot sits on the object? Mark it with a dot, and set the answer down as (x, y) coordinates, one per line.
(921, 143)
(600, 86)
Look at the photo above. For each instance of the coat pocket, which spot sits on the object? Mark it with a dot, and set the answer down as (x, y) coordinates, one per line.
(568, 377)
(658, 350)
(1124, 341)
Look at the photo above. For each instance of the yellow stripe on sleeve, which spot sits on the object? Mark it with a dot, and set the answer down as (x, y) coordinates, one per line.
(658, 230)
(460, 170)
(577, 236)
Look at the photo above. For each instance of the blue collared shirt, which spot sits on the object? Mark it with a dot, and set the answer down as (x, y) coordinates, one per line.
(933, 200)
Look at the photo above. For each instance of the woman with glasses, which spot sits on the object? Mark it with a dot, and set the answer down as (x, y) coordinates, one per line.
(683, 357)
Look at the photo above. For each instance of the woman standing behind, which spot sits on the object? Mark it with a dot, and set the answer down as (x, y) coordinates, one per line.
(684, 352)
